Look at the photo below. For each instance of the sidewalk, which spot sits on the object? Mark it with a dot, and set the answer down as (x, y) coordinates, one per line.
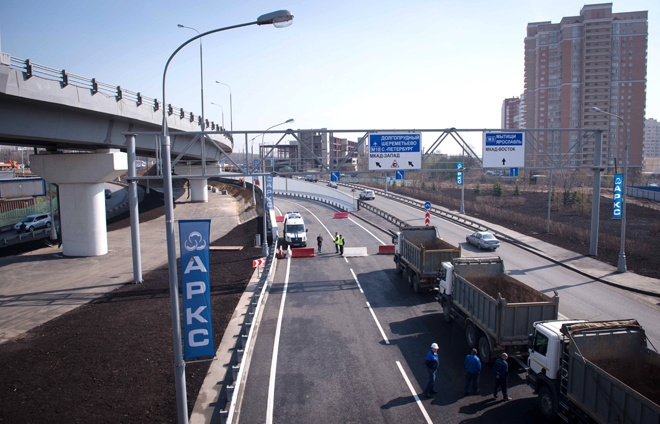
(41, 285)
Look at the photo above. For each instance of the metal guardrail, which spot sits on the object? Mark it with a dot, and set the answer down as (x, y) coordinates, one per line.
(27, 236)
(391, 218)
(30, 69)
(310, 197)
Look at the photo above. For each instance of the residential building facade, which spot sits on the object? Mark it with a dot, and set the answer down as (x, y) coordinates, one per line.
(651, 145)
(596, 59)
(511, 113)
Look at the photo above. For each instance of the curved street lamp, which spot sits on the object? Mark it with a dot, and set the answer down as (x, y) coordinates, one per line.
(223, 113)
(278, 19)
(231, 113)
(264, 242)
(201, 70)
(621, 265)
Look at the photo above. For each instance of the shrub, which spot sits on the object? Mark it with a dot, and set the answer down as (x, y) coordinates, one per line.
(477, 189)
(497, 189)
(516, 192)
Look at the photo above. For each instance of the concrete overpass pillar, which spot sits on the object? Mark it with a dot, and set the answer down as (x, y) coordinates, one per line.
(80, 177)
(199, 192)
(198, 182)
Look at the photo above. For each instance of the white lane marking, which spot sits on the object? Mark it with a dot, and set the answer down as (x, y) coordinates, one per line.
(562, 317)
(378, 324)
(279, 211)
(356, 280)
(372, 234)
(412, 390)
(276, 347)
(345, 258)
(317, 218)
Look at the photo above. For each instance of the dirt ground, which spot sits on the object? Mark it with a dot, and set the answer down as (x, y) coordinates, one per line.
(509, 288)
(570, 221)
(111, 361)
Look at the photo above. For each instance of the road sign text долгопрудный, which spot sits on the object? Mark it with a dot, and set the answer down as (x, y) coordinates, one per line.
(504, 150)
(395, 151)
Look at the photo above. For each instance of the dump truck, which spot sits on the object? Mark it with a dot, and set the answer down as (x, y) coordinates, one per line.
(497, 311)
(419, 253)
(594, 372)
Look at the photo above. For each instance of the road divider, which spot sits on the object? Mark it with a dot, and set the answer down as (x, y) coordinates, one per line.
(341, 215)
(279, 218)
(355, 251)
(387, 249)
(303, 252)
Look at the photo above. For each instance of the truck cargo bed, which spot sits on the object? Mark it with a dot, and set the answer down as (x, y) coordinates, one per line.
(508, 288)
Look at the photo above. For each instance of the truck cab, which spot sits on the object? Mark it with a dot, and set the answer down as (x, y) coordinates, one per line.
(295, 233)
(546, 348)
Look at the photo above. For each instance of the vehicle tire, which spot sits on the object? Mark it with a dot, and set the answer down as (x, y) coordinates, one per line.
(484, 350)
(399, 269)
(48, 224)
(415, 284)
(471, 335)
(31, 229)
(446, 311)
(548, 403)
(411, 276)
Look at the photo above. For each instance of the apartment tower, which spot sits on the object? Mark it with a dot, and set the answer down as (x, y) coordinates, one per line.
(511, 113)
(596, 59)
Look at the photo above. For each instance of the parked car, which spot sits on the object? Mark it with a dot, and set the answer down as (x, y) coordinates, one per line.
(483, 240)
(367, 195)
(332, 184)
(33, 222)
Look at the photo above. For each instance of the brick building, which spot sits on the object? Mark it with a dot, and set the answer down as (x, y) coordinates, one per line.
(596, 59)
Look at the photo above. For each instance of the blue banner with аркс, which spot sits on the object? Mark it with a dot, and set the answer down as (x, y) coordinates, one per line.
(197, 325)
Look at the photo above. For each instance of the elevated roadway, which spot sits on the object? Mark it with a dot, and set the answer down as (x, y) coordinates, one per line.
(47, 108)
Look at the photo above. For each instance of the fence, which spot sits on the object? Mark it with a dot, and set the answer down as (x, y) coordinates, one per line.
(651, 193)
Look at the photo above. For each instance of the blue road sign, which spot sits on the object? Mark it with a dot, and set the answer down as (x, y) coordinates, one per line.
(255, 167)
(427, 205)
(335, 176)
(400, 175)
(459, 174)
(513, 172)
(617, 199)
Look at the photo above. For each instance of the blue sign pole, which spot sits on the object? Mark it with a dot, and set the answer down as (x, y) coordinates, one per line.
(618, 193)
(197, 325)
(459, 174)
(269, 192)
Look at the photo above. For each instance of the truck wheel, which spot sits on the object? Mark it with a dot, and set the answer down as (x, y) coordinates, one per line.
(548, 403)
(446, 311)
(415, 284)
(471, 335)
(484, 350)
(399, 269)
(411, 276)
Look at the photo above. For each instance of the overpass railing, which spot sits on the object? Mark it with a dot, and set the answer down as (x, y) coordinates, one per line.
(30, 69)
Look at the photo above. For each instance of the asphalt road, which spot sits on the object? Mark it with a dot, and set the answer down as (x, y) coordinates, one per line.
(344, 340)
(580, 297)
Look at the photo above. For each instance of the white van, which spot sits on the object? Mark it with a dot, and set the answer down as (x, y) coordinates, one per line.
(295, 233)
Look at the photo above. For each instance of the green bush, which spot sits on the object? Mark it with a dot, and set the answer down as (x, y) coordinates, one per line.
(477, 189)
(516, 191)
(497, 189)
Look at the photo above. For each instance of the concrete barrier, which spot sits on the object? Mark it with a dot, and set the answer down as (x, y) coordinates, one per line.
(341, 215)
(302, 252)
(386, 249)
(355, 251)
(279, 218)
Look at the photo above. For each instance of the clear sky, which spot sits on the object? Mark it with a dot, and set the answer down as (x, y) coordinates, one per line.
(359, 64)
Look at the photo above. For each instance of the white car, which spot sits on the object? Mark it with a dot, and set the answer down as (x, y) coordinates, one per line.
(332, 184)
(33, 222)
(483, 240)
(367, 195)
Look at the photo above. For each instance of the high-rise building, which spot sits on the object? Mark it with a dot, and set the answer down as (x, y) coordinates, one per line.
(596, 59)
(651, 145)
(511, 113)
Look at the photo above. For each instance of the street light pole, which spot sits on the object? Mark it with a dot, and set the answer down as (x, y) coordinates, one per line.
(201, 71)
(280, 19)
(231, 113)
(264, 243)
(223, 114)
(621, 265)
